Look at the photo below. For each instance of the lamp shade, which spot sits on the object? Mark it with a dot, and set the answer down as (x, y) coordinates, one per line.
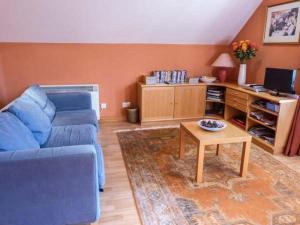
(224, 60)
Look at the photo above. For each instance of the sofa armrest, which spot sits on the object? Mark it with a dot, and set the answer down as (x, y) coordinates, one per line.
(50, 186)
(71, 100)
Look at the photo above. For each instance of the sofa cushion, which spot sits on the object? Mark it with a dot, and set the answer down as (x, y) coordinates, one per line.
(85, 134)
(37, 94)
(72, 135)
(14, 135)
(50, 110)
(33, 117)
(66, 101)
(76, 117)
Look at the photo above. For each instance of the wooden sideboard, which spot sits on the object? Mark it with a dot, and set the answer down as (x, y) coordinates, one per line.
(163, 102)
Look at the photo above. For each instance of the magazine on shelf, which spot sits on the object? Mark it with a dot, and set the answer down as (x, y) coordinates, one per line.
(266, 119)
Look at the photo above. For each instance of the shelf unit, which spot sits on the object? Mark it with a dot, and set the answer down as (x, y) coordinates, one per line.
(266, 145)
(237, 125)
(211, 104)
(208, 100)
(264, 109)
(283, 118)
(214, 116)
(260, 123)
(188, 101)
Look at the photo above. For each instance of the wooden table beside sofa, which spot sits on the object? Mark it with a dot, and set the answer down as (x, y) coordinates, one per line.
(230, 134)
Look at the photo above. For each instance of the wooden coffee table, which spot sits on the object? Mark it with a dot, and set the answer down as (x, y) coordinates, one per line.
(230, 134)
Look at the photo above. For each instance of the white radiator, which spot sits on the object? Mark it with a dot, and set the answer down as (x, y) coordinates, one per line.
(93, 89)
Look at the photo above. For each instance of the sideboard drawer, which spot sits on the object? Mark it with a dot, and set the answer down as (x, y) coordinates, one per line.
(236, 93)
(237, 99)
(237, 105)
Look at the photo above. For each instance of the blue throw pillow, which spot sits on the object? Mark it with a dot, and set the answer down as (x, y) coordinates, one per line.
(14, 135)
(33, 117)
(50, 110)
(37, 94)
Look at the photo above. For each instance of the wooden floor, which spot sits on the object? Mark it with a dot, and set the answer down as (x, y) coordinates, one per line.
(117, 202)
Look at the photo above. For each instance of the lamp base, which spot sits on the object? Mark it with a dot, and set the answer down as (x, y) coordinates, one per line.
(222, 75)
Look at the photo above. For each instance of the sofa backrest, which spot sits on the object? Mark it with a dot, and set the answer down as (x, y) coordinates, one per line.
(33, 117)
(14, 135)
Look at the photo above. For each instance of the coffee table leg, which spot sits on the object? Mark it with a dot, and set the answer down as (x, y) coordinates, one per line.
(181, 144)
(218, 148)
(245, 158)
(200, 162)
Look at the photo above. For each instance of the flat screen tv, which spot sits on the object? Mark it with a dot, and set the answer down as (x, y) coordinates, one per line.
(280, 80)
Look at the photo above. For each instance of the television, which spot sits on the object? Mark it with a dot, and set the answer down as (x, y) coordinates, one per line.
(280, 80)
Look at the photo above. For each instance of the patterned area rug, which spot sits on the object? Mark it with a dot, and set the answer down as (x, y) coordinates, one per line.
(166, 193)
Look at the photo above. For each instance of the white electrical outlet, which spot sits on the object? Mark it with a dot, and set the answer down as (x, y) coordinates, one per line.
(103, 105)
(126, 104)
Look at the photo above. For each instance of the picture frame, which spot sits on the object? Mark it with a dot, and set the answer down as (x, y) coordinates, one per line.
(282, 24)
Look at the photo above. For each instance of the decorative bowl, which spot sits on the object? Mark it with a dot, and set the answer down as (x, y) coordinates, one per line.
(207, 79)
(212, 125)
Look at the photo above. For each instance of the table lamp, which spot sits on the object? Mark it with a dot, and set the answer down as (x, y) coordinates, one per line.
(223, 62)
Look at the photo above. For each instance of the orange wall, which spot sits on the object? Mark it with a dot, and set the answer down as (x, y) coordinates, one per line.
(116, 68)
(282, 56)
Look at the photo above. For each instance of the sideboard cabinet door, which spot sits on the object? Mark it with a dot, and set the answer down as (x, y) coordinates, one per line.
(157, 103)
(189, 102)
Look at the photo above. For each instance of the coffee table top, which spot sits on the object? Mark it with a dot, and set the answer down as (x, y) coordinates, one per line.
(231, 134)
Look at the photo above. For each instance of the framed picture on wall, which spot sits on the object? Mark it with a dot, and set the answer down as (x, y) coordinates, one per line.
(283, 23)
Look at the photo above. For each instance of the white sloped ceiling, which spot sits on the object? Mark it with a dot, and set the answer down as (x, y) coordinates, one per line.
(124, 21)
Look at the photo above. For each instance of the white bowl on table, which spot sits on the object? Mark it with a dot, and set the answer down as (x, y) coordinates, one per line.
(206, 79)
(221, 125)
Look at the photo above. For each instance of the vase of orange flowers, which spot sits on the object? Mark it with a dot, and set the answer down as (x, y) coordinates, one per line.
(244, 51)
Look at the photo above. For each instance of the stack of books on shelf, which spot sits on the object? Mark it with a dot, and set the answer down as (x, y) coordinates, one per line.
(267, 105)
(239, 120)
(215, 110)
(215, 94)
(263, 133)
(170, 77)
(268, 120)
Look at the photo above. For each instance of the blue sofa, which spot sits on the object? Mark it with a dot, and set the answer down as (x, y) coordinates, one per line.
(51, 163)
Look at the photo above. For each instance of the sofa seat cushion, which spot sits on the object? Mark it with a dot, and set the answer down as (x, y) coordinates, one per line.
(14, 135)
(37, 94)
(72, 135)
(33, 117)
(76, 117)
(85, 134)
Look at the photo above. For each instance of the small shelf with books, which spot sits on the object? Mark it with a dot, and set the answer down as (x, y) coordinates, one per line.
(254, 106)
(239, 120)
(260, 141)
(263, 133)
(263, 118)
(215, 93)
(215, 109)
(236, 117)
(261, 123)
(215, 102)
(269, 121)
